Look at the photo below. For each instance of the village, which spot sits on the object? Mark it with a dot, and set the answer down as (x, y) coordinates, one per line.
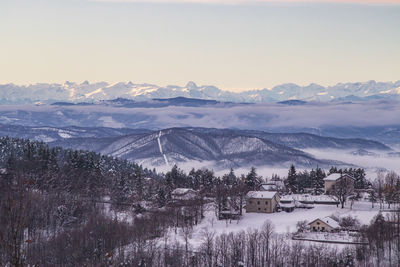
(333, 217)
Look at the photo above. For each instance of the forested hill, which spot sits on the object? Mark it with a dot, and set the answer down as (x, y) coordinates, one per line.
(70, 171)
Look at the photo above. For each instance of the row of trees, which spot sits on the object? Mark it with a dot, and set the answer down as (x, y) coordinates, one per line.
(385, 189)
(298, 182)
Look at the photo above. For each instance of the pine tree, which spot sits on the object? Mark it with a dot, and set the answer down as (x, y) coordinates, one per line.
(251, 180)
(161, 197)
(139, 182)
(291, 180)
(318, 181)
(230, 178)
(333, 170)
(303, 181)
(207, 178)
(176, 178)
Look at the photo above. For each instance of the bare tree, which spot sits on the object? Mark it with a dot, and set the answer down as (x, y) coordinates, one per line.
(342, 189)
(208, 246)
(267, 233)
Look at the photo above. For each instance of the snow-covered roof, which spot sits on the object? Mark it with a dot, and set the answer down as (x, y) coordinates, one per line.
(268, 187)
(261, 194)
(307, 197)
(336, 176)
(182, 191)
(329, 221)
(333, 177)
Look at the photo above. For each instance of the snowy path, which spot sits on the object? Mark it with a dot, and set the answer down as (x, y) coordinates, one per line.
(161, 150)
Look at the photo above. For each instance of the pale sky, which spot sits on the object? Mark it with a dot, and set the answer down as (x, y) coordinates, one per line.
(236, 45)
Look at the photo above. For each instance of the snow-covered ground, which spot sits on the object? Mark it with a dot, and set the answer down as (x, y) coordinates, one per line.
(122, 216)
(340, 237)
(283, 222)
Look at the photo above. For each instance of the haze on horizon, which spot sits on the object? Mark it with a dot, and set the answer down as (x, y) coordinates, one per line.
(251, 44)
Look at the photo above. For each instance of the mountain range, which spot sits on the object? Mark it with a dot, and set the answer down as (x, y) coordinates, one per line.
(224, 147)
(376, 120)
(91, 92)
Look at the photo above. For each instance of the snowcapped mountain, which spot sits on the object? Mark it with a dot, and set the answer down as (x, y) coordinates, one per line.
(92, 92)
(177, 145)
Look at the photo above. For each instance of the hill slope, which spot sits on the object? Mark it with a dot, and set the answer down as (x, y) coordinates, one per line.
(226, 148)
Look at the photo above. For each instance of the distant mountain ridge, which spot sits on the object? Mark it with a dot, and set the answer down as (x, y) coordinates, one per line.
(179, 101)
(226, 147)
(306, 140)
(179, 145)
(105, 135)
(91, 92)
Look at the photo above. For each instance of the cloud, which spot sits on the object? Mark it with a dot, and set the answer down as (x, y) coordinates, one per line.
(372, 163)
(263, 116)
(235, 2)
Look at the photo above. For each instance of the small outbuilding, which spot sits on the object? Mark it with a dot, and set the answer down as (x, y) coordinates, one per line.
(288, 207)
(327, 224)
(262, 201)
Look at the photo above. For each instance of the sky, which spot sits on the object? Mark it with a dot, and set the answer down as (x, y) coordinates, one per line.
(235, 45)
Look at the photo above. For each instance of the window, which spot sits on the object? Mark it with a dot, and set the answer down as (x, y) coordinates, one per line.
(259, 208)
(258, 202)
(314, 228)
(266, 202)
(318, 223)
(323, 228)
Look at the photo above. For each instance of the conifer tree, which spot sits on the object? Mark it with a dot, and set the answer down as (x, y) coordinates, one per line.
(291, 181)
(252, 181)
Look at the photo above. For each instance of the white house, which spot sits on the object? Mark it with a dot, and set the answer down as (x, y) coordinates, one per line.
(262, 201)
(326, 224)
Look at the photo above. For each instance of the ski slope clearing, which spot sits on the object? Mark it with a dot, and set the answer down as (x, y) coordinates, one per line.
(161, 150)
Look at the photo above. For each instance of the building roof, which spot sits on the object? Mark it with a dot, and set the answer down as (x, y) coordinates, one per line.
(182, 191)
(268, 187)
(336, 176)
(261, 194)
(329, 221)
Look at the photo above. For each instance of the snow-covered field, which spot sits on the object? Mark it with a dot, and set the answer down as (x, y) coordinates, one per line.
(283, 222)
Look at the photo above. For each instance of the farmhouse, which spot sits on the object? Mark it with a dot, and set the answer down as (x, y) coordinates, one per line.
(184, 194)
(262, 201)
(326, 224)
(331, 180)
